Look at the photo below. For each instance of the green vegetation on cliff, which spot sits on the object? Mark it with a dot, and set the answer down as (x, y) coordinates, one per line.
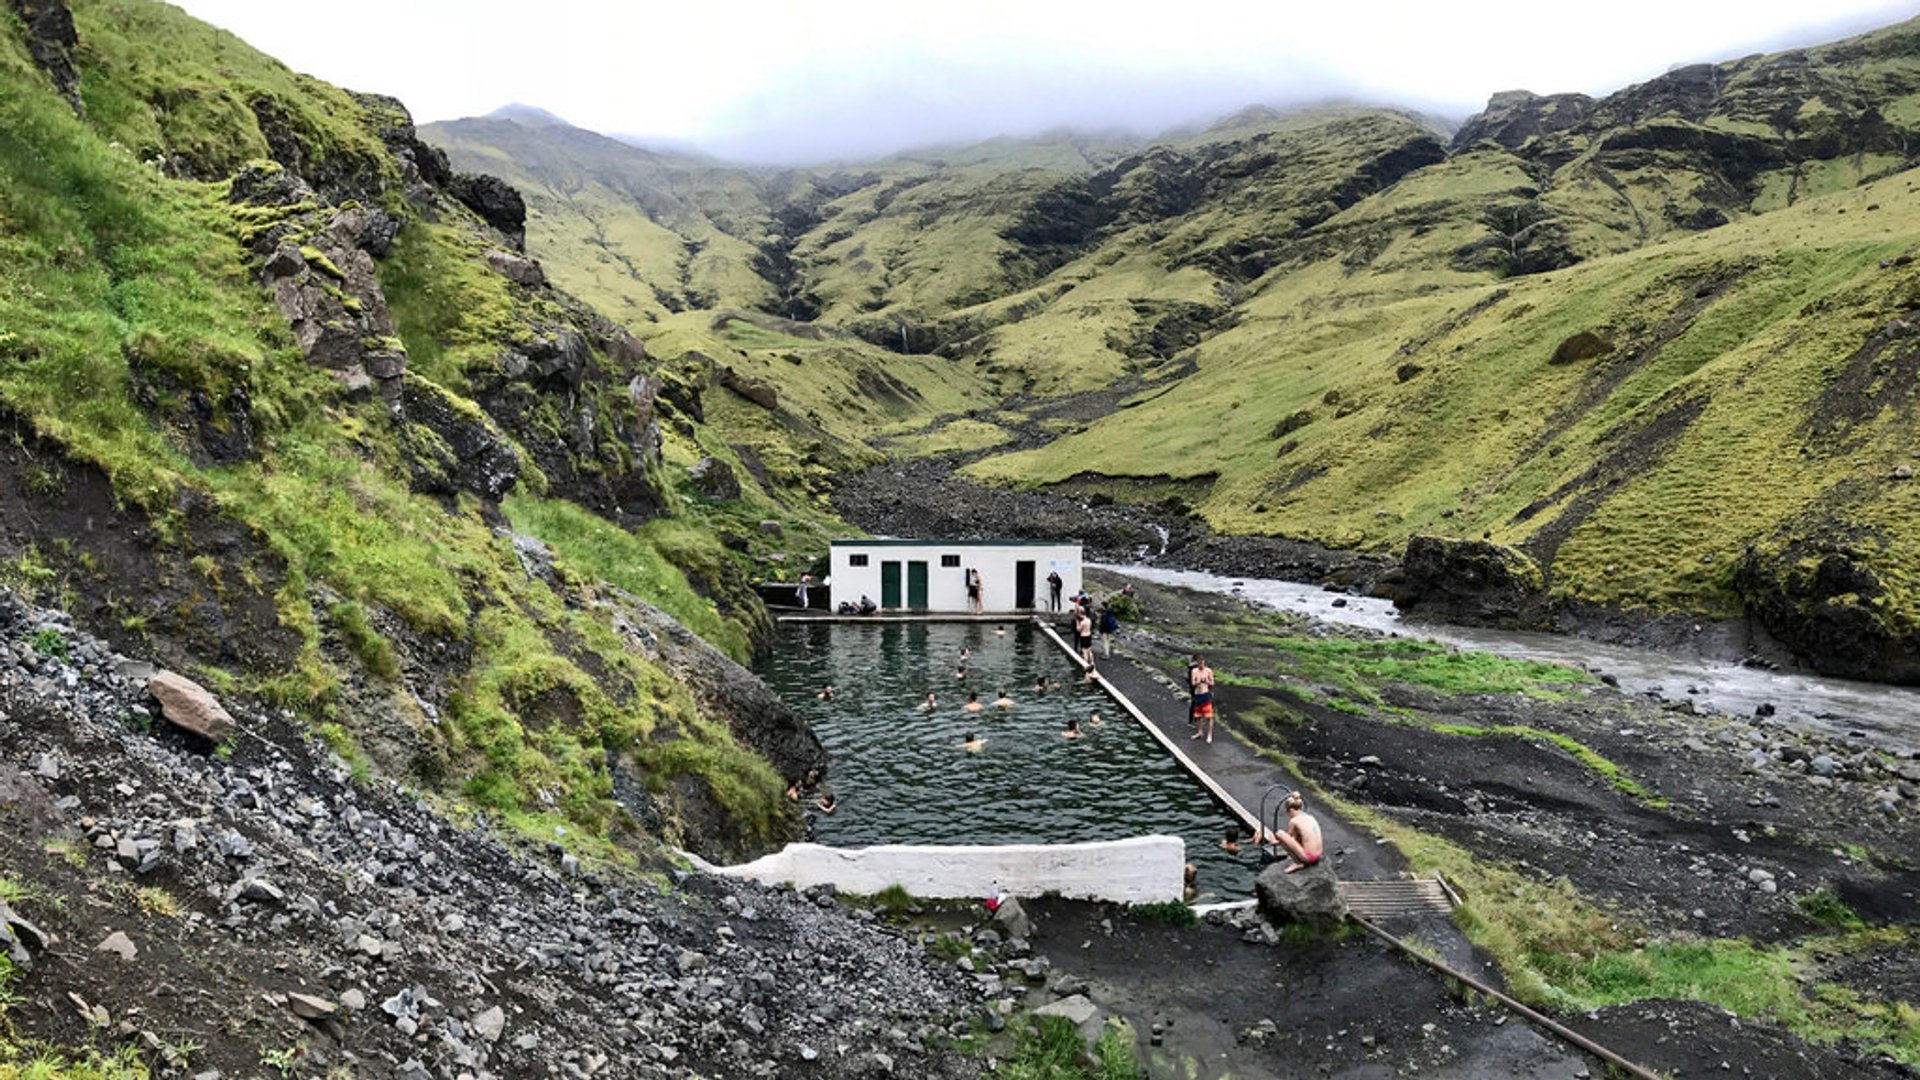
(273, 530)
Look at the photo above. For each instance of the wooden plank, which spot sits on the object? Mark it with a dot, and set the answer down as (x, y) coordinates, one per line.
(1126, 705)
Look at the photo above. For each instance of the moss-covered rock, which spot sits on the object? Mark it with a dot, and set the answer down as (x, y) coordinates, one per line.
(1473, 581)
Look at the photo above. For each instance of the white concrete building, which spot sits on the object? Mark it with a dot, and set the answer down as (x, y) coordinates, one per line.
(931, 575)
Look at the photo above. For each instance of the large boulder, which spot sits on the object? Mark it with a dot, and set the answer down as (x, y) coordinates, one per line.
(1474, 582)
(189, 706)
(497, 202)
(714, 478)
(452, 446)
(1826, 601)
(1310, 896)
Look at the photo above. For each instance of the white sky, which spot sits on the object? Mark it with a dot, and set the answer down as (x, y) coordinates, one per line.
(795, 81)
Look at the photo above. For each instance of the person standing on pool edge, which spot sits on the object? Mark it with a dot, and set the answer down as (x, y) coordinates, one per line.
(1053, 590)
(1083, 638)
(1200, 681)
(974, 588)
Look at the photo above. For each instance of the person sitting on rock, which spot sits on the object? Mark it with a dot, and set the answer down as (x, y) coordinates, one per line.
(1302, 836)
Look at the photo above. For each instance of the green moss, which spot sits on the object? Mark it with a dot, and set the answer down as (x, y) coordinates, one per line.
(318, 260)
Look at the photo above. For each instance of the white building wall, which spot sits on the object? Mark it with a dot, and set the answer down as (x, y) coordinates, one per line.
(946, 585)
(1141, 870)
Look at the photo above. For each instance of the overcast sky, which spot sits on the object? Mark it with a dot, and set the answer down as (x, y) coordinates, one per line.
(792, 81)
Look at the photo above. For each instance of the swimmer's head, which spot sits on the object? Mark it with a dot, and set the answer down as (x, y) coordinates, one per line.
(1295, 802)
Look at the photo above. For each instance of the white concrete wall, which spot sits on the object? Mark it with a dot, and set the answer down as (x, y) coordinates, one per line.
(1141, 870)
(947, 585)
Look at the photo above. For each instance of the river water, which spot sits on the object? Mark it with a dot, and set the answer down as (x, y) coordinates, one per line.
(902, 777)
(1887, 717)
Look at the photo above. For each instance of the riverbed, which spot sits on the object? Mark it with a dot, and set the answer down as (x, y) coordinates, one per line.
(1885, 716)
(902, 776)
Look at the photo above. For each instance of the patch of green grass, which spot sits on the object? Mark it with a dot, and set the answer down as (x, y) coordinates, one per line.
(49, 643)
(30, 1060)
(894, 900)
(1582, 753)
(949, 946)
(1050, 1048)
(1171, 912)
(364, 641)
(1353, 663)
(1825, 907)
(643, 562)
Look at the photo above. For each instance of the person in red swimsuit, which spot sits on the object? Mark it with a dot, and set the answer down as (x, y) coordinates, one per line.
(1302, 836)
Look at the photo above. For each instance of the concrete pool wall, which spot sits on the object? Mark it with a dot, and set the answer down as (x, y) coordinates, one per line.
(1138, 870)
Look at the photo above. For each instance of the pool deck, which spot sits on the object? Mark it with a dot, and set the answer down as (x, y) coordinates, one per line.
(1232, 773)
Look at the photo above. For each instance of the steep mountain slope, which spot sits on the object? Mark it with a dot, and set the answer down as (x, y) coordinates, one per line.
(1655, 340)
(273, 378)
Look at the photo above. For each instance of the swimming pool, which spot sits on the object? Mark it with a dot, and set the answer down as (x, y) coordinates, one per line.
(902, 777)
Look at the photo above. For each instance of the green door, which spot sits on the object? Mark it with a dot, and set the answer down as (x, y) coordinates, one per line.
(890, 584)
(917, 584)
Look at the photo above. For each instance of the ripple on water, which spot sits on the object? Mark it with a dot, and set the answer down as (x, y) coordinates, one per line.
(901, 775)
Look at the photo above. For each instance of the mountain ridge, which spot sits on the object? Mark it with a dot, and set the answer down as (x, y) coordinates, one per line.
(1232, 258)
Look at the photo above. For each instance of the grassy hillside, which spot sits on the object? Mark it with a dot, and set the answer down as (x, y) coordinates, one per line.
(1656, 340)
(185, 474)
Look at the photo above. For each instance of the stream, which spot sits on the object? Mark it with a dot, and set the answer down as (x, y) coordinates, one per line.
(1887, 717)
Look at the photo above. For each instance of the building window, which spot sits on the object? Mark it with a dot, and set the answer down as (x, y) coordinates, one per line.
(856, 560)
(951, 562)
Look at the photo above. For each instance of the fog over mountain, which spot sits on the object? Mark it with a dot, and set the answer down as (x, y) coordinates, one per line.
(786, 84)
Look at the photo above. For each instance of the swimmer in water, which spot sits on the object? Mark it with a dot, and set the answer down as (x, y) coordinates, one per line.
(965, 655)
(962, 673)
(973, 702)
(1003, 701)
(1073, 728)
(1093, 718)
(827, 803)
(1000, 631)
(826, 692)
(929, 705)
(973, 744)
(1040, 685)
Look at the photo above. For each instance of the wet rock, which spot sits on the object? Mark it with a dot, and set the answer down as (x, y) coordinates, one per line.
(1013, 920)
(1310, 896)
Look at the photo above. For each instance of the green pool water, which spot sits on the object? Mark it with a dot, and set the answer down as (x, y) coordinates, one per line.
(902, 777)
